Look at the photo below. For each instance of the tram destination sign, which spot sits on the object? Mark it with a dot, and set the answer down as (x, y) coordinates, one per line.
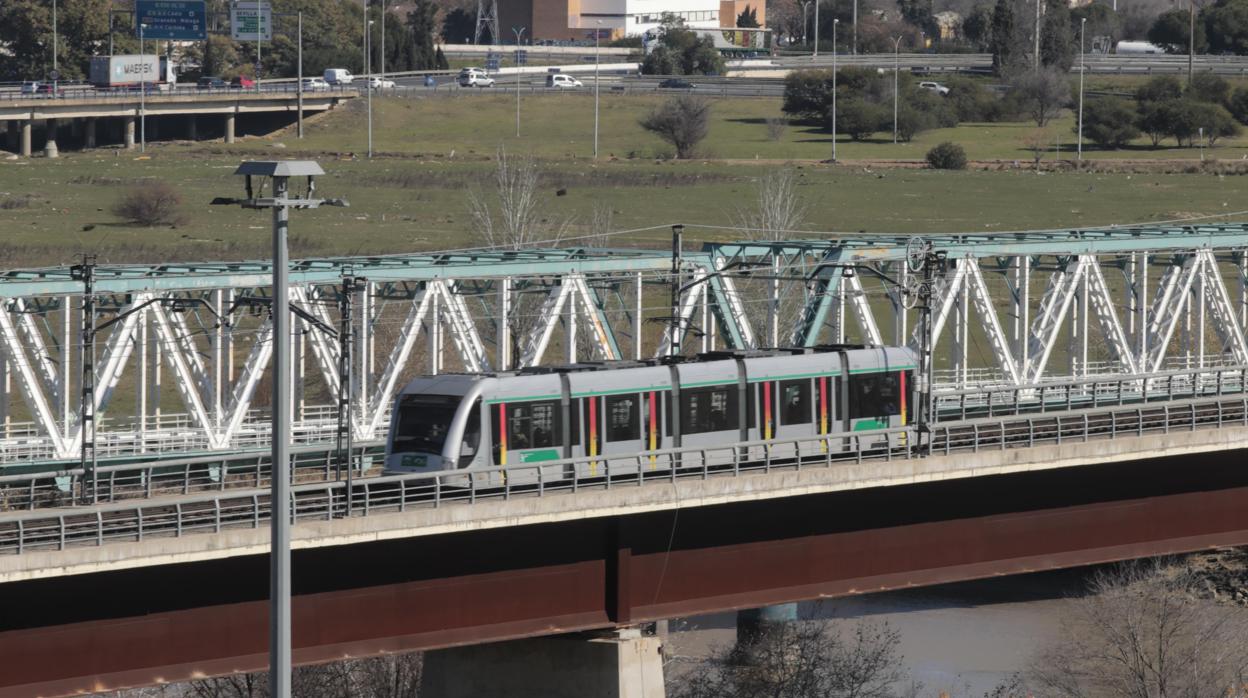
(172, 19)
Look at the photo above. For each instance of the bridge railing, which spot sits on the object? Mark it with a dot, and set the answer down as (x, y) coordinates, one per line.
(248, 508)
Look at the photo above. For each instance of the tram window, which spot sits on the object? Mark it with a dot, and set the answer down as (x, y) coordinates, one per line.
(751, 404)
(874, 395)
(472, 432)
(623, 418)
(533, 425)
(423, 422)
(708, 409)
(795, 402)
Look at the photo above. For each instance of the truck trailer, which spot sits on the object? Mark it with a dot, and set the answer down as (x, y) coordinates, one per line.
(133, 70)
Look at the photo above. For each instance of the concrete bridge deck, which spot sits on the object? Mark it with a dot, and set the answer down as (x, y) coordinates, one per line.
(21, 115)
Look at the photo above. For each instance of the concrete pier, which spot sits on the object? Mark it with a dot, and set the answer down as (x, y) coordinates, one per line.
(229, 128)
(128, 133)
(25, 146)
(192, 130)
(11, 131)
(620, 664)
(89, 135)
(49, 147)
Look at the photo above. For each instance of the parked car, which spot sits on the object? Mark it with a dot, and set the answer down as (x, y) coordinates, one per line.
(211, 83)
(474, 77)
(676, 84)
(338, 76)
(934, 87)
(242, 83)
(315, 85)
(381, 84)
(563, 82)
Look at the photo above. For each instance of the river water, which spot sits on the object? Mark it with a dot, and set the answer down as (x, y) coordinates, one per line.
(959, 639)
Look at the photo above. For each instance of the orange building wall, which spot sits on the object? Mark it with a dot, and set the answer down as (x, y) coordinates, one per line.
(730, 9)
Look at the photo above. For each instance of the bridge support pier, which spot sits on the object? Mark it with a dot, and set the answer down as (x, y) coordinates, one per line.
(128, 133)
(229, 128)
(620, 664)
(49, 147)
(24, 151)
(754, 621)
(192, 130)
(10, 134)
(89, 135)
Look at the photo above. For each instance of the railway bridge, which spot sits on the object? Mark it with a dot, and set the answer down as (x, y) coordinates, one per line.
(1088, 405)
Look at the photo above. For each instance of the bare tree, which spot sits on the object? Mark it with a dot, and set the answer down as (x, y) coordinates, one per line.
(1041, 93)
(805, 659)
(509, 218)
(681, 121)
(1144, 632)
(777, 212)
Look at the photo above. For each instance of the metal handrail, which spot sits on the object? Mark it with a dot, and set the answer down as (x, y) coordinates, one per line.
(247, 508)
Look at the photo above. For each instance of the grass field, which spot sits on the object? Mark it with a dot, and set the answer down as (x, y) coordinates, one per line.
(421, 203)
(561, 126)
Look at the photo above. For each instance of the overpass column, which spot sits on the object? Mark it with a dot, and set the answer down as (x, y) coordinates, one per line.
(10, 136)
(620, 664)
(755, 621)
(89, 137)
(49, 147)
(128, 133)
(229, 127)
(25, 147)
(192, 131)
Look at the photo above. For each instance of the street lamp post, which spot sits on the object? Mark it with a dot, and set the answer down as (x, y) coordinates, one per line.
(368, 63)
(142, 95)
(835, 25)
(55, 43)
(1083, 23)
(805, 14)
(896, 71)
(597, 36)
(279, 494)
(855, 38)
(299, 88)
(519, 32)
(815, 54)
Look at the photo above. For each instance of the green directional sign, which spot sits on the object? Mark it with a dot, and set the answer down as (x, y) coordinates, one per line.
(251, 21)
(172, 19)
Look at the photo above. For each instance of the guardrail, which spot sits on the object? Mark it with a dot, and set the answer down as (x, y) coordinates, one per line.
(214, 513)
(177, 476)
(220, 94)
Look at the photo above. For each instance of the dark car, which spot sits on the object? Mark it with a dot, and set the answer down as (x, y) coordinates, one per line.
(676, 84)
(242, 83)
(209, 83)
(47, 88)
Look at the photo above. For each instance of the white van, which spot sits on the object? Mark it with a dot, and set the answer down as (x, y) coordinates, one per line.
(474, 77)
(338, 76)
(561, 81)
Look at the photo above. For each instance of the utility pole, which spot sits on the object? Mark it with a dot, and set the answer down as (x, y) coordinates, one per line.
(896, 77)
(519, 33)
(368, 87)
(299, 90)
(1036, 62)
(279, 173)
(835, 25)
(1191, 39)
(597, 33)
(678, 231)
(855, 27)
(85, 273)
(346, 386)
(815, 55)
(1083, 23)
(142, 94)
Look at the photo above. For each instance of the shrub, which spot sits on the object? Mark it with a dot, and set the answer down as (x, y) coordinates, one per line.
(858, 119)
(1041, 94)
(807, 93)
(681, 121)
(911, 122)
(1238, 105)
(947, 156)
(776, 126)
(971, 101)
(1162, 88)
(151, 204)
(1109, 122)
(1209, 87)
(1216, 121)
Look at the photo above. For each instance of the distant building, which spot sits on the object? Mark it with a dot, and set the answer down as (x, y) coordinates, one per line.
(565, 20)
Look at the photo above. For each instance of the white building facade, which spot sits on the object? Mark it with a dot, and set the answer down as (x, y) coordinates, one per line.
(636, 17)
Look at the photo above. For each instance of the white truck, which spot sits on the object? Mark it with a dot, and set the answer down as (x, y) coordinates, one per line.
(338, 76)
(132, 70)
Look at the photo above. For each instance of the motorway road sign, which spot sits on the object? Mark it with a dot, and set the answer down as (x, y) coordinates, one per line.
(251, 21)
(172, 19)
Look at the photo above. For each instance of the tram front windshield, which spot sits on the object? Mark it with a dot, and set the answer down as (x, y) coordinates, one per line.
(423, 422)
